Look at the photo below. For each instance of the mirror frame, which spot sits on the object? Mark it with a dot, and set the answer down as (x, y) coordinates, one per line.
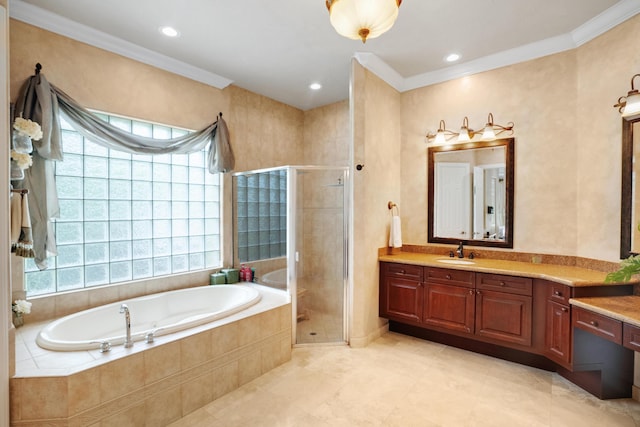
(509, 144)
(626, 204)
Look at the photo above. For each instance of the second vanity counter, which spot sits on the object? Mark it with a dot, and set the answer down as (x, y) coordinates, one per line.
(566, 275)
(624, 308)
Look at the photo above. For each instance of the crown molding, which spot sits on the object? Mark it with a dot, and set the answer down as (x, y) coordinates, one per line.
(380, 68)
(41, 18)
(598, 25)
(605, 21)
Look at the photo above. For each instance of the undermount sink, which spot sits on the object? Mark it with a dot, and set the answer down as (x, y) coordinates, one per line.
(456, 261)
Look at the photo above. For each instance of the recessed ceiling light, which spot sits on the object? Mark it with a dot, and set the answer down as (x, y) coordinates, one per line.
(315, 86)
(169, 31)
(452, 57)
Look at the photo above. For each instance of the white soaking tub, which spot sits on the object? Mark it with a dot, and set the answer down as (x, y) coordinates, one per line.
(160, 314)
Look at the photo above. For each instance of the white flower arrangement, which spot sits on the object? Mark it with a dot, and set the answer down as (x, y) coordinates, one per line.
(23, 160)
(28, 128)
(20, 307)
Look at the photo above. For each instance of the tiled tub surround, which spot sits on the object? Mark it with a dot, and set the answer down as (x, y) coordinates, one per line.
(149, 384)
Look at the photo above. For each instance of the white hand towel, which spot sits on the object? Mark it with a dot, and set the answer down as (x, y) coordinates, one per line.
(395, 232)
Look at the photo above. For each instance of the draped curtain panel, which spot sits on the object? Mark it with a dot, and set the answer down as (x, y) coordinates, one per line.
(42, 102)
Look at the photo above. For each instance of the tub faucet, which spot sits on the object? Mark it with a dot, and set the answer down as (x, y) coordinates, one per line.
(460, 251)
(128, 342)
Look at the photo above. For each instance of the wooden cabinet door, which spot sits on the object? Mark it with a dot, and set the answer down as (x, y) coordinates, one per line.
(504, 317)
(558, 332)
(450, 307)
(402, 299)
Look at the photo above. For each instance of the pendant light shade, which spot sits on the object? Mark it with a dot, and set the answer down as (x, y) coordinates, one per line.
(362, 19)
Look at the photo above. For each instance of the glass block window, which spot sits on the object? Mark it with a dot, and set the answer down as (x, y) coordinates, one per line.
(126, 217)
(261, 201)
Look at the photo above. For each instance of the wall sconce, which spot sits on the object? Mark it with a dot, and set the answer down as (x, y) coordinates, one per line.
(629, 106)
(466, 134)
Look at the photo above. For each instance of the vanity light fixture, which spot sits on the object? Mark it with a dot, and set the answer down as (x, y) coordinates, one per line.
(466, 134)
(362, 19)
(629, 106)
(442, 135)
(490, 133)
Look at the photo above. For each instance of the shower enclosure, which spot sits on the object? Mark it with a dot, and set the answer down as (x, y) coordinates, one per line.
(291, 228)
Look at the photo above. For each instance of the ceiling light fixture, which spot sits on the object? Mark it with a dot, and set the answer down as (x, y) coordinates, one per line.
(466, 134)
(315, 86)
(629, 106)
(453, 57)
(362, 19)
(169, 31)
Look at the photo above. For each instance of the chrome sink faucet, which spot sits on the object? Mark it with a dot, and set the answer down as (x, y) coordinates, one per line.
(128, 342)
(460, 251)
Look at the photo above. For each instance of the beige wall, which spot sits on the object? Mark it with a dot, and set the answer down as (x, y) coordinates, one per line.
(377, 129)
(605, 67)
(264, 132)
(568, 137)
(539, 96)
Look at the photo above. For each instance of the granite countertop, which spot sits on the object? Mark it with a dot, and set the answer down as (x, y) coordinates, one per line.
(567, 275)
(624, 308)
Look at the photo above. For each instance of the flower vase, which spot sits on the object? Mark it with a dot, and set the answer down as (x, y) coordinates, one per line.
(18, 320)
(16, 172)
(22, 143)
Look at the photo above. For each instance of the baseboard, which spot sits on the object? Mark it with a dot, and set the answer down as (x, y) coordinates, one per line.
(360, 342)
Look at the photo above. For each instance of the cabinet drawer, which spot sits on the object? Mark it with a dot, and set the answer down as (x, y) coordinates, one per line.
(450, 277)
(404, 271)
(631, 337)
(559, 293)
(501, 283)
(597, 324)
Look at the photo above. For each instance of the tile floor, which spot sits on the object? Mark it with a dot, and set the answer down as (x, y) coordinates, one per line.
(402, 381)
(319, 328)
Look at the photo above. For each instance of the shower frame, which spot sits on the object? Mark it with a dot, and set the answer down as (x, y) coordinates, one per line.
(292, 252)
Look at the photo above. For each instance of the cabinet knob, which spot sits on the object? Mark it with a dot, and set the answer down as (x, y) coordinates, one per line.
(502, 284)
(557, 293)
(448, 276)
(565, 309)
(470, 291)
(594, 323)
(477, 292)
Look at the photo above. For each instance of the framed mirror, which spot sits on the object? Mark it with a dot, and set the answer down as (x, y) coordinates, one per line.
(471, 193)
(630, 206)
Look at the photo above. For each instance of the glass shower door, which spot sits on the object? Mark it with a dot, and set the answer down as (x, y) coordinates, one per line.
(320, 256)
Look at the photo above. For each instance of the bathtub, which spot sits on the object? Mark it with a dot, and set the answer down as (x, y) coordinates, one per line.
(275, 279)
(162, 313)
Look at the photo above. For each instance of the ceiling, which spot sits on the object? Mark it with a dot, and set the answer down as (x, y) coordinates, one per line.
(277, 48)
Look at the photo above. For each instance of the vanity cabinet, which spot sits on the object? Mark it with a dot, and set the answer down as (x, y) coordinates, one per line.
(504, 308)
(631, 337)
(524, 320)
(449, 300)
(401, 291)
(495, 307)
(558, 323)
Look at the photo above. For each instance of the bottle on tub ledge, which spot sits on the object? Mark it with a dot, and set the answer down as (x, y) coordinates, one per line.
(246, 274)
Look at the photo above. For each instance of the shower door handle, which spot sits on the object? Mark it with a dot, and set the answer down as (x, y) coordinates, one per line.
(297, 256)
